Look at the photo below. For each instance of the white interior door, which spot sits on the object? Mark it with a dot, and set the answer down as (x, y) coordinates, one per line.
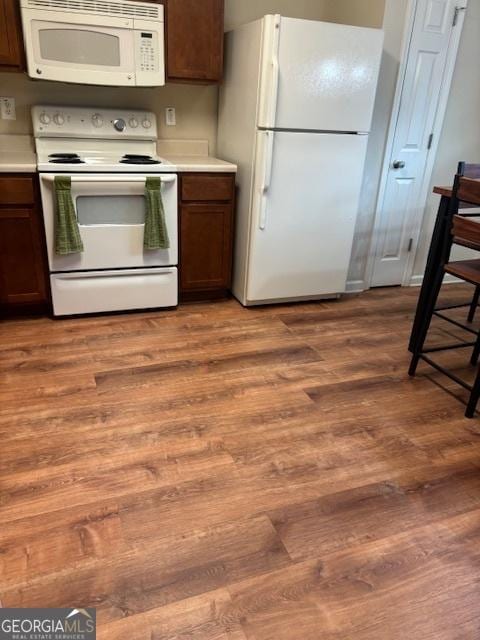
(402, 203)
(304, 214)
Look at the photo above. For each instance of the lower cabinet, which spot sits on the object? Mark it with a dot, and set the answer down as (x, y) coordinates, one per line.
(23, 266)
(206, 230)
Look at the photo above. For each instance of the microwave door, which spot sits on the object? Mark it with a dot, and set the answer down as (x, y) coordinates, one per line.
(80, 49)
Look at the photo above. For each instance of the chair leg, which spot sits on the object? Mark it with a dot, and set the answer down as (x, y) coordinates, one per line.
(429, 308)
(476, 351)
(474, 396)
(474, 304)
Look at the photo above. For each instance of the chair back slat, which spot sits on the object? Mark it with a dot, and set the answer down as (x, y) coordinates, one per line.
(466, 232)
(468, 191)
(469, 170)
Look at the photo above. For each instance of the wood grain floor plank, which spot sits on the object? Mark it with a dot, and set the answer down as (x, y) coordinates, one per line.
(413, 586)
(195, 618)
(150, 573)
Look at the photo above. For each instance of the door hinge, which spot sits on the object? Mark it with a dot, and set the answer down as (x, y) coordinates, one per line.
(430, 140)
(410, 245)
(456, 14)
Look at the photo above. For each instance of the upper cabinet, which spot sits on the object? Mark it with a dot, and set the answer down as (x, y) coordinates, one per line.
(11, 44)
(194, 40)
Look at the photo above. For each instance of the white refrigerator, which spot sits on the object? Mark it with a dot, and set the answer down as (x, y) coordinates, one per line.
(295, 111)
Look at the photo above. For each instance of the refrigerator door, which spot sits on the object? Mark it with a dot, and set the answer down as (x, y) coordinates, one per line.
(305, 204)
(318, 76)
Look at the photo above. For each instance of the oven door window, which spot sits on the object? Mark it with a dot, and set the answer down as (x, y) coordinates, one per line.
(79, 46)
(111, 210)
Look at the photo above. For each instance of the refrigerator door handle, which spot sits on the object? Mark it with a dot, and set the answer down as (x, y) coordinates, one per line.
(267, 177)
(275, 71)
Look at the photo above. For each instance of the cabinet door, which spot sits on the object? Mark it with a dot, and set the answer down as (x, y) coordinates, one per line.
(22, 265)
(206, 246)
(195, 40)
(11, 54)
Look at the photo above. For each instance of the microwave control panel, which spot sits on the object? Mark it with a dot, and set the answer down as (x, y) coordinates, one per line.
(149, 55)
(148, 51)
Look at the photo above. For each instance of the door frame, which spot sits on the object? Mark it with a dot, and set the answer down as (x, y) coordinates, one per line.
(421, 203)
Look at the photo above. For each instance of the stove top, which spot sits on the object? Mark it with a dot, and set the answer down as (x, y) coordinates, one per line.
(72, 140)
(65, 158)
(130, 158)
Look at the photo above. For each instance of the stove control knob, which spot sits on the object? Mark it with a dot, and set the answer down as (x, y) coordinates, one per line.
(133, 122)
(45, 118)
(119, 124)
(97, 120)
(146, 124)
(59, 119)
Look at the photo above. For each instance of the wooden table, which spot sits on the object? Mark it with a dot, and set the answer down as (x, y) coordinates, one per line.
(433, 276)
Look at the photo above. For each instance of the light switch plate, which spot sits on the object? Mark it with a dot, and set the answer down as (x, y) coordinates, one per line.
(170, 116)
(7, 109)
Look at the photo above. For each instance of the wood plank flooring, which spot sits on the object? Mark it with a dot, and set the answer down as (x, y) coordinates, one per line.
(220, 473)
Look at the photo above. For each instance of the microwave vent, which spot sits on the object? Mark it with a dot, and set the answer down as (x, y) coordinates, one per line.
(115, 8)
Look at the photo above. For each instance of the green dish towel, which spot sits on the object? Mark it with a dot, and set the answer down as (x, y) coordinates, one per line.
(67, 233)
(155, 234)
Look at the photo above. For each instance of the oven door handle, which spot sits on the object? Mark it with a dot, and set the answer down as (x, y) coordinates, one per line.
(119, 178)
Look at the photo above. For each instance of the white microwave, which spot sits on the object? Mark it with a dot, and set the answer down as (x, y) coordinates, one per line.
(100, 42)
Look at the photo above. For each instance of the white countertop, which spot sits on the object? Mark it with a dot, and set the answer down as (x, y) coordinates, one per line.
(17, 154)
(199, 163)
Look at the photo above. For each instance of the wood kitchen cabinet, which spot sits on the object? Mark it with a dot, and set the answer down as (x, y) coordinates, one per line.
(194, 30)
(23, 265)
(206, 230)
(11, 38)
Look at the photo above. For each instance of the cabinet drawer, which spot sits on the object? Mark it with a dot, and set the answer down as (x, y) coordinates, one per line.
(207, 188)
(17, 191)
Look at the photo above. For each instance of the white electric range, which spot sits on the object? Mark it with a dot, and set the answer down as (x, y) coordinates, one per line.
(108, 154)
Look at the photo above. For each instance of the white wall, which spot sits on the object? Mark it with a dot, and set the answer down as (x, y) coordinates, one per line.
(361, 13)
(239, 12)
(460, 137)
(367, 13)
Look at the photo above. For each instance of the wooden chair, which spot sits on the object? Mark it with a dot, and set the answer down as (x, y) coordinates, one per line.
(464, 232)
(471, 171)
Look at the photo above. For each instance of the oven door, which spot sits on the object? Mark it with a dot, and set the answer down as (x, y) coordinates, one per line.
(84, 49)
(111, 216)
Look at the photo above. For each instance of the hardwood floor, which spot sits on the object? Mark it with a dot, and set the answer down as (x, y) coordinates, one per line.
(218, 473)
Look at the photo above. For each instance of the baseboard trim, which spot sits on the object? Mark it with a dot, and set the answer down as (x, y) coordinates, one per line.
(355, 286)
(416, 281)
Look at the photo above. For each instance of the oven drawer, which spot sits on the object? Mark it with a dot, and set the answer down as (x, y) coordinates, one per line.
(97, 291)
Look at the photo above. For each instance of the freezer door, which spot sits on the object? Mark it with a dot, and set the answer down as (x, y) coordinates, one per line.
(305, 204)
(318, 76)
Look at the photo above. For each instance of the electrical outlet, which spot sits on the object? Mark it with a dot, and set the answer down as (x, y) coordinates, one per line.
(170, 116)
(7, 108)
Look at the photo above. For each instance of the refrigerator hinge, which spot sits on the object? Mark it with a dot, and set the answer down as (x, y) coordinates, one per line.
(410, 245)
(430, 140)
(456, 13)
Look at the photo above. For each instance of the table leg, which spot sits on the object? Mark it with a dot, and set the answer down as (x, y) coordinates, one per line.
(431, 269)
